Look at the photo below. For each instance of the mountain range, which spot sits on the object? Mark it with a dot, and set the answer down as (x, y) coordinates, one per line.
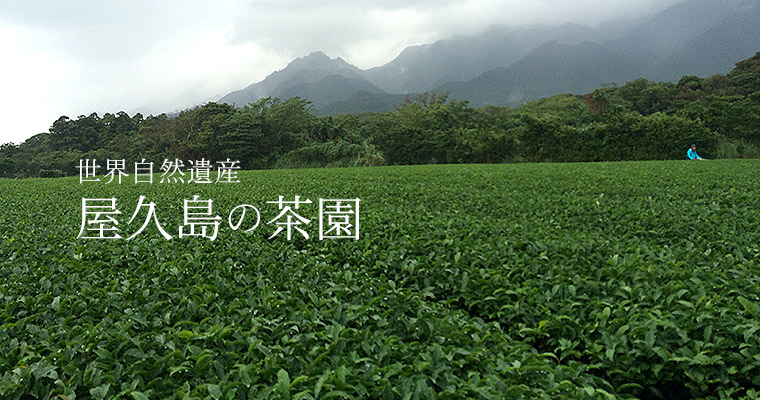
(506, 66)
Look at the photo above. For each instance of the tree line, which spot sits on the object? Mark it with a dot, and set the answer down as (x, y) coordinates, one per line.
(641, 120)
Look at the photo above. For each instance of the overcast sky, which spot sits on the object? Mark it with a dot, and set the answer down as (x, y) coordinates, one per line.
(78, 57)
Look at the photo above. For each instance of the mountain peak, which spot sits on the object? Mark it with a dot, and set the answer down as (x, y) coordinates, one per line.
(299, 73)
(316, 55)
(320, 60)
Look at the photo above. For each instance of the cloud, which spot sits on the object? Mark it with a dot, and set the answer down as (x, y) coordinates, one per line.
(33, 83)
(78, 57)
(134, 56)
(370, 33)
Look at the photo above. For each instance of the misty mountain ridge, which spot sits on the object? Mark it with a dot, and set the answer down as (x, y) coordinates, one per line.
(421, 68)
(734, 37)
(551, 69)
(328, 90)
(310, 69)
(506, 66)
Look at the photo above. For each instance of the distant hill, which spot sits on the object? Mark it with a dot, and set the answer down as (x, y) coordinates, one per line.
(303, 76)
(551, 69)
(670, 29)
(504, 66)
(735, 37)
(328, 90)
(425, 67)
(363, 102)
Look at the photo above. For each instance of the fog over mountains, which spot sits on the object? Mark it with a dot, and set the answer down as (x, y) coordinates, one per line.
(504, 66)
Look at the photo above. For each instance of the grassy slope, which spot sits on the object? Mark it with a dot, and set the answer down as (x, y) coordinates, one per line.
(550, 280)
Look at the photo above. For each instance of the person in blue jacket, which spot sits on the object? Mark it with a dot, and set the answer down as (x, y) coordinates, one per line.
(691, 154)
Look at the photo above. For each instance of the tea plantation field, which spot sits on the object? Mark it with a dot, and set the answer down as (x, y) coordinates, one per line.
(527, 281)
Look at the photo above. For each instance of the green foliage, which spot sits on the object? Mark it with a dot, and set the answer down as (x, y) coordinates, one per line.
(534, 281)
(648, 97)
(417, 135)
(745, 78)
(732, 148)
(330, 154)
(430, 131)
